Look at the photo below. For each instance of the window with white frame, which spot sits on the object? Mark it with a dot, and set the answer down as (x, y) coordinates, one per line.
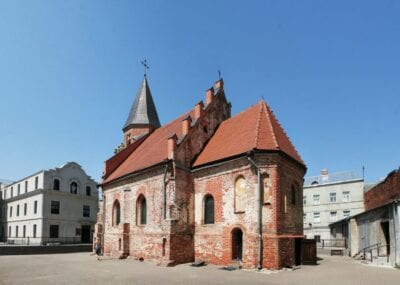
(333, 216)
(332, 197)
(317, 217)
(346, 196)
(316, 199)
(346, 213)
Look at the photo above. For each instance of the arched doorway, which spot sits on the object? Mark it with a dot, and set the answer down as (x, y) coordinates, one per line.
(237, 244)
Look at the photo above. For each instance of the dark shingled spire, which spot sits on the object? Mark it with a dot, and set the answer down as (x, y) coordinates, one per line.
(143, 111)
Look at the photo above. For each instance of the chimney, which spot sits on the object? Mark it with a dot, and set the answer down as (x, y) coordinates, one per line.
(186, 125)
(171, 146)
(324, 174)
(219, 85)
(198, 110)
(209, 95)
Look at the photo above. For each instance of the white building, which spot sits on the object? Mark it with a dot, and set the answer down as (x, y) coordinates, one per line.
(328, 198)
(56, 205)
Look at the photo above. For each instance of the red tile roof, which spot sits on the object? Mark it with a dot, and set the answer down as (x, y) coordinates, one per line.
(151, 151)
(254, 128)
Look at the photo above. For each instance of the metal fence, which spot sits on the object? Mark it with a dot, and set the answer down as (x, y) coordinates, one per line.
(42, 240)
(341, 243)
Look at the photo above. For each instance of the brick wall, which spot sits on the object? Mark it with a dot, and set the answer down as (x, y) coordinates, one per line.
(384, 192)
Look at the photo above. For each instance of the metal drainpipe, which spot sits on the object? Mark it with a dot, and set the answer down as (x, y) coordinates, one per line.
(259, 223)
(394, 232)
(165, 192)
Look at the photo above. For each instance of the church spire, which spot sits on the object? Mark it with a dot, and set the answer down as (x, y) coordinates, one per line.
(143, 117)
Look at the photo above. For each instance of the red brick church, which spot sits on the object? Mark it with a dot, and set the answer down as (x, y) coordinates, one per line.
(206, 186)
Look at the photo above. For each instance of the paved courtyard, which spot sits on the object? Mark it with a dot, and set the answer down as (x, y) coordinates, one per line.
(81, 268)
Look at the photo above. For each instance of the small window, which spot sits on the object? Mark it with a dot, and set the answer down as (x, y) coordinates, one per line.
(34, 230)
(116, 217)
(333, 216)
(25, 208)
(141, 210)
(74, 188)
(316, 199)
(346, 196)
(314, 183)
(86, 211)
(16, 231)
(209, 210)
(56, 184)
(35, 207)
(9, 231)
(19, 189)
(26, 186)
(346, 213)
(10, 211)
(36, 182)
(53, 231)
(332, 197)
(12, 192)
(17, 210)
(304, 200)
(88, 191)
(317, 217)
(317, 238)
(24, 231)
(55, 207)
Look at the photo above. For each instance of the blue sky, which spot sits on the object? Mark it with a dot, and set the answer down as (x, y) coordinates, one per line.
(69, 71)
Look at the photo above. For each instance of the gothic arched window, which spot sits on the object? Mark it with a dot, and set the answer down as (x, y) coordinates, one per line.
(116, 214)
(209, 210)
(141, 210)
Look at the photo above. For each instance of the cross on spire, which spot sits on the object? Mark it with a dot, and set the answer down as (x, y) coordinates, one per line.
(144, 63)
(219, 74)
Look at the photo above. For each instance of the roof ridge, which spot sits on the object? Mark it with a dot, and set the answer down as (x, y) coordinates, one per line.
(270, 123)
(258, 126)
(284, 132)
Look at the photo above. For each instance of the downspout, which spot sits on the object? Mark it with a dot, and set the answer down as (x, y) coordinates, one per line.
(395, 233)
(165, 191)
(259, 223)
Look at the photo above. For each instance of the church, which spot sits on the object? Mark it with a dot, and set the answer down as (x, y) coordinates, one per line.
(205, 186)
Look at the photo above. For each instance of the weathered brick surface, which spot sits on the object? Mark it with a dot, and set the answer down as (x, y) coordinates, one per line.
(384, 192)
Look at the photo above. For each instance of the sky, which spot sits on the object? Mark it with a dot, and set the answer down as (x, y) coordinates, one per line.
(69, 72)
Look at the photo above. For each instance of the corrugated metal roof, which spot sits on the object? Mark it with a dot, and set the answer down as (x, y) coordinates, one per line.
(332, 178)
(143, 110)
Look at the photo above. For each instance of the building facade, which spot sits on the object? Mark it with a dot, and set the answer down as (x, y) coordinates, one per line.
(206, 186)
(329, 198)
(56, 205)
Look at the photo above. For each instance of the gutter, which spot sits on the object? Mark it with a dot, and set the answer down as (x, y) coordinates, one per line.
(165, 191)
(259, 224)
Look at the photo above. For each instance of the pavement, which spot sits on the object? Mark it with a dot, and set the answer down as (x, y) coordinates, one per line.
(82, 268)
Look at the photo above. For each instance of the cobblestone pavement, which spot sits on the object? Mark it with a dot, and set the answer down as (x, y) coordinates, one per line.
(81, 268)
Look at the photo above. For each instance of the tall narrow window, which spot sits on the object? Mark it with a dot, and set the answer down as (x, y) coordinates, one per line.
(10, 211)
(25, 208)
(24, 231)
(266, 189)
(56, 184)
(9, 231)
(12, 192)
(26, 186)
(293, 195)
(332, 197)
(88, 191)
(19, 188)
(304, 200)
(240, 194)
(35, 207)
(116, 215)
(17, 210)
(34, 230)
(209, 210)
(74, 188)
(141, 210)
(36, 182)
(16, 231)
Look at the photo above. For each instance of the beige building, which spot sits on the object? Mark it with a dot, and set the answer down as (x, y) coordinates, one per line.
(328, 198)
(56, 205)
